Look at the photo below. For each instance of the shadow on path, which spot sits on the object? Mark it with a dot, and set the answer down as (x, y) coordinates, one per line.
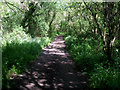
(53, 69)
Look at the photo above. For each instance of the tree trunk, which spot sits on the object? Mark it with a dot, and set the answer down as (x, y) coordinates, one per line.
(110, 6)
(50, 25)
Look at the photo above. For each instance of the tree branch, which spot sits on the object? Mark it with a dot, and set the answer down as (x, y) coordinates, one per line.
(9, 6)
(94, 16)
(13, 6)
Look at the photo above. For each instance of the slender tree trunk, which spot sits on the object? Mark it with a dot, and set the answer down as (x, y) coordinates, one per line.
(68, 22)
(109, 7)
(50, 25)
(119, 27)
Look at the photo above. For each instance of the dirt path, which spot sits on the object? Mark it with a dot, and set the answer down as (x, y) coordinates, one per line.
(53, 69)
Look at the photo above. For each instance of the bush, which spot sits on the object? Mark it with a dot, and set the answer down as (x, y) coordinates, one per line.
(18, 51)
(83, 53)
(11, 19)
(92, 61)
(18, 35)
(105, 77)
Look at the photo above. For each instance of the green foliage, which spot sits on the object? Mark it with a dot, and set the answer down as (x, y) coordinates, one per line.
(90, 60)
(42, 28)
(18, 35)
(105, 77)
(18, 51)
(88, 27)
(19, 26)
(11, 20)
(92, 39)
(84, 53)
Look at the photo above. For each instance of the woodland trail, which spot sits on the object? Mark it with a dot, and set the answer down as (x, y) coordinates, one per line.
(54, 68)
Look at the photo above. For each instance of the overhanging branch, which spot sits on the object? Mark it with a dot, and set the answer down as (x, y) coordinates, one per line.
(7, 3)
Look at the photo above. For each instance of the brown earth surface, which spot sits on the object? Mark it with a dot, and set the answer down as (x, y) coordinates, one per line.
(54, 68)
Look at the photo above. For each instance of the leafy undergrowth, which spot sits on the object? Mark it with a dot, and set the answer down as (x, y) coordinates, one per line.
(18, 51)
(105, 77)
(90, 60)
(84, 53)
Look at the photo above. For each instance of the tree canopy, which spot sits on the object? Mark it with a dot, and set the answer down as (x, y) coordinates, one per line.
(91, 29)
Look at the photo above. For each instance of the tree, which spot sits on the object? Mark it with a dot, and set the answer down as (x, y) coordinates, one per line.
(107, 29)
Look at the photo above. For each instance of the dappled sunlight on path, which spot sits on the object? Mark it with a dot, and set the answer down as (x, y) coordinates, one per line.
(53, 69)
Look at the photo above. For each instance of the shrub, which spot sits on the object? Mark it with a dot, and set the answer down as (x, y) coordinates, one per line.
(83, 53)
(18, 51)
(87, 58)
(105, 77)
